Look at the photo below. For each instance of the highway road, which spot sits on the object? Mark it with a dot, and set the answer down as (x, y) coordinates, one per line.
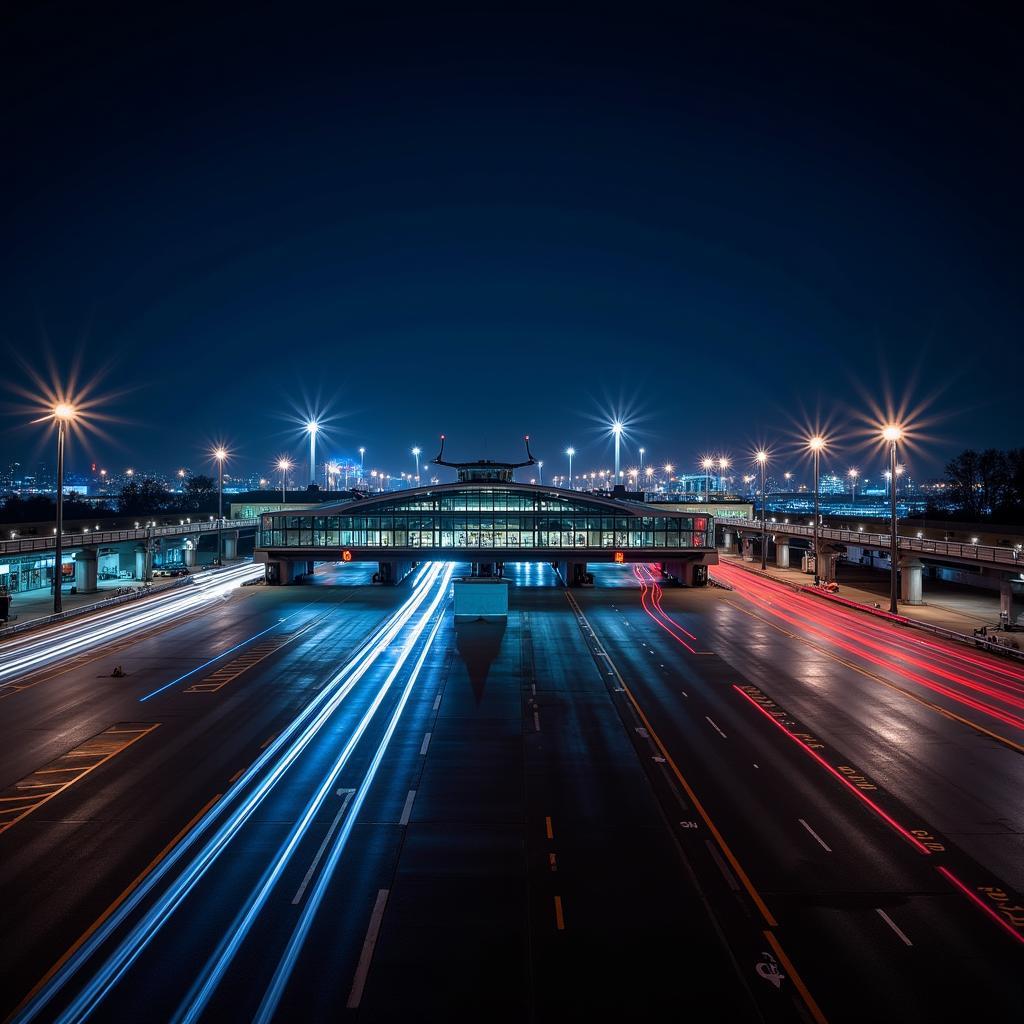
(319, 801)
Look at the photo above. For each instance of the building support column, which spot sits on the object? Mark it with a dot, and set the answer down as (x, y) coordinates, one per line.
(141, 562)
(230, 545)
(910, 581)
(1007, 603)
(188, 553)
(85, 571)
(782, 553)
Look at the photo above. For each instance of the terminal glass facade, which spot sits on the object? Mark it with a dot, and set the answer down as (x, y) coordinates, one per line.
(491, 517)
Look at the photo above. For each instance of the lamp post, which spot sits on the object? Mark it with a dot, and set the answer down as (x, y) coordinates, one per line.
(723, 465)
(284, 465)
(362, 454)
(617, 431)
(416, 456)
(816, 444)
(312, 427)
(570, 451)
(63, 414)
(854, 476)
(220, 454)
(707, 465)
(892, 434)
(540, 472)
(642, 450)
(762, 461)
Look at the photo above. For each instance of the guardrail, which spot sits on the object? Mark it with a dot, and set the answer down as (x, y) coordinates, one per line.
(1011, 557)
(27, 545)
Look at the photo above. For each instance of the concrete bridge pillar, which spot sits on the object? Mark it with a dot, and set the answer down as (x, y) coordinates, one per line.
(143, 562)
(727, 539)
(392, 573)
(1009, 602)
(782, 552)
(85, 571)
(748, 548)
(188, 553)
(230, 545)
(911, 571)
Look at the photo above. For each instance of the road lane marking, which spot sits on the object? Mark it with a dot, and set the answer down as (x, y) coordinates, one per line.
(347, 794)
(407, 809)
(425, 744)
(813, 833)
(369, 944)
(536, 721)
(437, 702)
(552, 862)
(729, 877)
(37, 788)
(893, 925)
(694, 799)
(266, 742)
(805, 994)
(548, 828)
(979, 902)
(715, 727)
(684, 693)
(236, 776)
(126, 892)
(559, 916)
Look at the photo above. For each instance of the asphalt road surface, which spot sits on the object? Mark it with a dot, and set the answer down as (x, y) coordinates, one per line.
(307, 803)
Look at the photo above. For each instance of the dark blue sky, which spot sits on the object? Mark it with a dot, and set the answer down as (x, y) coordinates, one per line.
(719, 219)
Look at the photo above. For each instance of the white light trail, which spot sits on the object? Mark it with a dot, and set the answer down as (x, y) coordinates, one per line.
(277, 758)
(58, 643)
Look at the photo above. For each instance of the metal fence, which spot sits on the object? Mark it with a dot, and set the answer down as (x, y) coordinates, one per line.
(919, 545)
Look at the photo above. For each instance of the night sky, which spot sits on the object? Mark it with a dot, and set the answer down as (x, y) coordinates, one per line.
(722, 222)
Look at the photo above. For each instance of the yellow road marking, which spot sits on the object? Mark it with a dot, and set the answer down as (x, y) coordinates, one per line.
(736, 866)
(881, 679)
(252, 656)
(559, 916)
(805, 994)
(547, 827)
(87, 757)
(235, 776)
(117, 902)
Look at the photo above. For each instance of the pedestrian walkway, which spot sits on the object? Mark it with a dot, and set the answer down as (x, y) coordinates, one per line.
(947, 606)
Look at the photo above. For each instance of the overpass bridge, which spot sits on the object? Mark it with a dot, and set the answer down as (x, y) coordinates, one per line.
(1006, 564)
(142, 540)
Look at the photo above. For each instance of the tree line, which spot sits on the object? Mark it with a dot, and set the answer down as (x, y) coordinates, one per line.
(987, 485)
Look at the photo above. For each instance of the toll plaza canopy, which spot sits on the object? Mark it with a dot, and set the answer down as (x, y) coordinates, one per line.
(486, 521)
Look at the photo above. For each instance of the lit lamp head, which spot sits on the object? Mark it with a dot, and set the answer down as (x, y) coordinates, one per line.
(312, 427)
(707, 463)
(416, 451)
(220, 454)
(570, 452)
(892, 433)
(64, 413)
(669, 468)
(616, 427)
(816, 443)
(723, 463)
(761, 456)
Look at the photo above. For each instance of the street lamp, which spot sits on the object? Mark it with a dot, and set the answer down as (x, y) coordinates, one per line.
(312, 428)
(815, 445)
(570, 451)
(416, 456)
(617, 431)
(854, 476)
(63, 415)
(220, 454)
(283, 465)
(540, 472)
(892, 434)
(723, 465)
(362, 453)
(762, 461)
(707, 465)
(642, 450)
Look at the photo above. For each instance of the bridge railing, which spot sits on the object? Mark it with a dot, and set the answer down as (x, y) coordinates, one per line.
(27, 545)
(917, 545)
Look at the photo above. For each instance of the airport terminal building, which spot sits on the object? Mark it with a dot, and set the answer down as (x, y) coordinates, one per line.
(487, 519)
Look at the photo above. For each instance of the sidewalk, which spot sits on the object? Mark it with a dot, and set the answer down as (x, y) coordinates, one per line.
(946, 606)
